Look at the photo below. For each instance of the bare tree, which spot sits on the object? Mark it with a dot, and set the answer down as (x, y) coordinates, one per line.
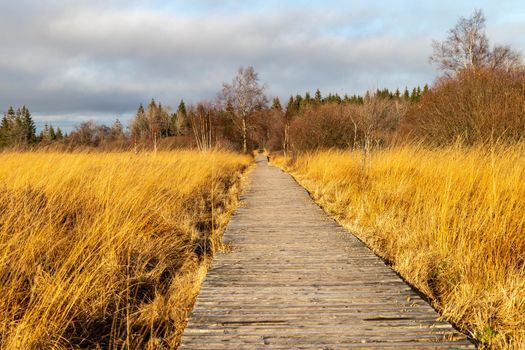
(200, 119)
(467, 46)
(245, 95)
(504, 57)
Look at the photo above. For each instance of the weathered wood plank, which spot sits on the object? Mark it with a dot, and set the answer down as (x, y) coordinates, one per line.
(295, 279)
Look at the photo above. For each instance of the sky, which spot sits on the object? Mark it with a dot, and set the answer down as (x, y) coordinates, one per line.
(71, 61)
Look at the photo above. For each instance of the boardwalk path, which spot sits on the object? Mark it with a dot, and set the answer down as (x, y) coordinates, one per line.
(296, 279)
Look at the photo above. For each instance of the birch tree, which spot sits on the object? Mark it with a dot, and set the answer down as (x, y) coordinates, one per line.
(467, 47)
(245, 95)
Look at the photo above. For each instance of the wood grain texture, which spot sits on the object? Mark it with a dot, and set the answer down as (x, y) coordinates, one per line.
(295, 279)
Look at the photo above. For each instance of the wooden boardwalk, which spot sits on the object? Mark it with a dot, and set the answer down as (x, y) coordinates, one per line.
(296, 280)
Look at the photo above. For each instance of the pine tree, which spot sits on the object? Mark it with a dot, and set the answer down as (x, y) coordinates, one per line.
(413, 95)
(298, 101)
(5, 124)
(182, 108)
(28, 125)
(45, 133)
(4, 131)
(59, 135)
(180, 120)
(140, 110)
(318, 96)
(307, 98)
(276, 104)
(11, 115)
(406, 94)
(139, 125)
(18, 132)
(52, 134)
(290, 107)
(10, 123)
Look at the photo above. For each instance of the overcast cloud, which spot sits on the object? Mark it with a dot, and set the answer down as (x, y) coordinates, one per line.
(89, 59)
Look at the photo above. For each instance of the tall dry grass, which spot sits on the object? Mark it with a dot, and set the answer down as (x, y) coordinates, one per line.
(107, 250)
(451, 221)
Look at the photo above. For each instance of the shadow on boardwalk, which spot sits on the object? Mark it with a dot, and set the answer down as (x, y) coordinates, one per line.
(297, 280)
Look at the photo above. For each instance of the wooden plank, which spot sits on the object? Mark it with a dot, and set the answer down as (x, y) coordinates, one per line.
(294, 278)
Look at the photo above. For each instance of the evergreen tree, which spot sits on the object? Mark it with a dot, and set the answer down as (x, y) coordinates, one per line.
(153, 115)
(52, 134)
(318, 96)
(28, 125)
(413, 96)
(164, 121)
(298, 101)
(59, 135)
(5, 123)
(290, 107)
(180, 120)
(45, 134)
(12, 128)
(10, 123)
(276, 104)
(406, 94)
(140, 110)
(4, 131)
(139, 126)
(182, 108)
(11, 115)
(307, 98)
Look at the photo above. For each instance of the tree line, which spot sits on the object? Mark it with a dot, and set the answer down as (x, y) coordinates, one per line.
(478, 97)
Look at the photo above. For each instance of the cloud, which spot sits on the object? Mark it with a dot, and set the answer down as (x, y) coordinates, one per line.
(103, 58)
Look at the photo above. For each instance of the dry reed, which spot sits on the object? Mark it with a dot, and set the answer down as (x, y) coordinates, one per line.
(450, 220)
(108, 250)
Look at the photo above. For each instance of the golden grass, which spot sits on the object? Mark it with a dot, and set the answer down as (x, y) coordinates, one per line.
(451, 221)
(108, 250)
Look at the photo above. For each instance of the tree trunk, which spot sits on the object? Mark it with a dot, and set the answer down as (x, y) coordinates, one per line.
(286, 136)
(244, 148)
(155, 143)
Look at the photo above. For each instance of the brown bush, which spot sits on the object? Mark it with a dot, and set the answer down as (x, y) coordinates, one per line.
(374, 122)
(326, 126)
(474, 106)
